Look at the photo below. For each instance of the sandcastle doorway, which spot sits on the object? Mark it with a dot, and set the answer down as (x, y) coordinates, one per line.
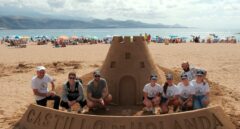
(127, 91)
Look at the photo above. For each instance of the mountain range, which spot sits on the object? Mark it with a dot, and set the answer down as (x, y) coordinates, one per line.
(23, 22)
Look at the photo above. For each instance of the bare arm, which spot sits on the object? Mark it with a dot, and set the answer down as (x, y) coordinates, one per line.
(145, 95)
(53, 86)
(105, 92)
(35, 91)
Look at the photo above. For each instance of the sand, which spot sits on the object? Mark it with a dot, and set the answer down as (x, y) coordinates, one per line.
(17, 68)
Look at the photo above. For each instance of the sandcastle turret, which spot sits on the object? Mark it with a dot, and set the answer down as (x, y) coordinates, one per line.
(127, 68)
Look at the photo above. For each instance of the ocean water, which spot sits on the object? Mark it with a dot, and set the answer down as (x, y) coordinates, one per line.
(163, 32)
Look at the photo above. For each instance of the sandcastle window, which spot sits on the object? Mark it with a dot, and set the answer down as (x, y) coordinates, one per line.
(127, 55)
(142, 65)
(113, 64)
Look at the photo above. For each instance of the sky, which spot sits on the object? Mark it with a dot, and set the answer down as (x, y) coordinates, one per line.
(191, 13)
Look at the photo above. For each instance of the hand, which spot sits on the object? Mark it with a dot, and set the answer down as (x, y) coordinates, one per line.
(52, 93)
(48, 94)
(69, 103)
(101, 101)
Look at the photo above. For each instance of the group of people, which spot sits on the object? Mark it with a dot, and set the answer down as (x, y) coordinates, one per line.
(191, 93)
(72, 91)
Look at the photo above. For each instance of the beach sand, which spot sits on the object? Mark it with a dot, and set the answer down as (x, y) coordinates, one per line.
(17, 66)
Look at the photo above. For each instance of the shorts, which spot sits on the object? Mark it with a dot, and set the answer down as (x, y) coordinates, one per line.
(150, 98)
(163, 100)
(198, 101)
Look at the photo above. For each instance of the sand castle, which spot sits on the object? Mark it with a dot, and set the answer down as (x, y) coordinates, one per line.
(127, 68)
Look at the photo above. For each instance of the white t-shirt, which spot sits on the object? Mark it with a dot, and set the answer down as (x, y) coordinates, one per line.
(41, 85)
(200, 88)
(171, 92)
(190, 74)
(152, 91)
(185, 91)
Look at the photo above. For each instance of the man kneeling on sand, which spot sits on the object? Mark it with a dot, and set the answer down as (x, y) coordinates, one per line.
(40, 88)
(73, 93)
(97, 92)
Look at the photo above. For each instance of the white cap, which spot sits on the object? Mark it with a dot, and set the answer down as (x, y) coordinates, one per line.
(39, 68)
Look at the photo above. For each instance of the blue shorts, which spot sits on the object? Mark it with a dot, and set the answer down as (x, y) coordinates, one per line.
(198, 101)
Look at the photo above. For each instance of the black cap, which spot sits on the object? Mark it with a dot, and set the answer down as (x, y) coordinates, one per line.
(184, 76)
(200, 72)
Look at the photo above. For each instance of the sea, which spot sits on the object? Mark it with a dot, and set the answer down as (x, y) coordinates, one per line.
(101, 33)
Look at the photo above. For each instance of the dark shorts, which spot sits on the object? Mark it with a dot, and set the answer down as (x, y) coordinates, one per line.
(163, 100)
(183, 99)
(150, 98)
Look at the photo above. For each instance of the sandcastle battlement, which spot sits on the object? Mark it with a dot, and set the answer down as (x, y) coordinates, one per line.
(128, 40)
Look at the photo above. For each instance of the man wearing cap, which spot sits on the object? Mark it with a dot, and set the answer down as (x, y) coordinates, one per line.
(190, 72)
(40, 88)
(152, 92)
(97, 92)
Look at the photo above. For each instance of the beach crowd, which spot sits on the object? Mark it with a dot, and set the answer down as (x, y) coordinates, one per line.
(63, 41)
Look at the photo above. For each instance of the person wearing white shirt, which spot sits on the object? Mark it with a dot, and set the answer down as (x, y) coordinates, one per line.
(40, 88)
(170, 96)
(152, 92)
(190, 72)
(186, 92)
(201, 87)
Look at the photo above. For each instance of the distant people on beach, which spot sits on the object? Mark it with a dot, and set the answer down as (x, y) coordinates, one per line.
(98, 95)
(152, 92)
(41, 90)
(73, 93)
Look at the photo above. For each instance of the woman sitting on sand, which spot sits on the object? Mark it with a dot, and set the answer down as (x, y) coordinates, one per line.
(201, 97)
(152, 92)
(73, 93)
(170, 96)
(186, 91)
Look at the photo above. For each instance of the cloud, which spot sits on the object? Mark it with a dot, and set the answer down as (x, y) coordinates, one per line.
(185, 12)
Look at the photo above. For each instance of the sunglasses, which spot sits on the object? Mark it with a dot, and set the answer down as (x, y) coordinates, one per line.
(97, 76)
(72, 78)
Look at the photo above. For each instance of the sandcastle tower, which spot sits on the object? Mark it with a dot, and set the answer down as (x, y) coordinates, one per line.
(127, 68)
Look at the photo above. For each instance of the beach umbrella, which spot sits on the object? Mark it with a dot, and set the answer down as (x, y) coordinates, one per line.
(17, 37)
(44, 37)
(74, 37)
(63, 37)
(25, 37)
(53, 38)
(95, 37)
(173, 36)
